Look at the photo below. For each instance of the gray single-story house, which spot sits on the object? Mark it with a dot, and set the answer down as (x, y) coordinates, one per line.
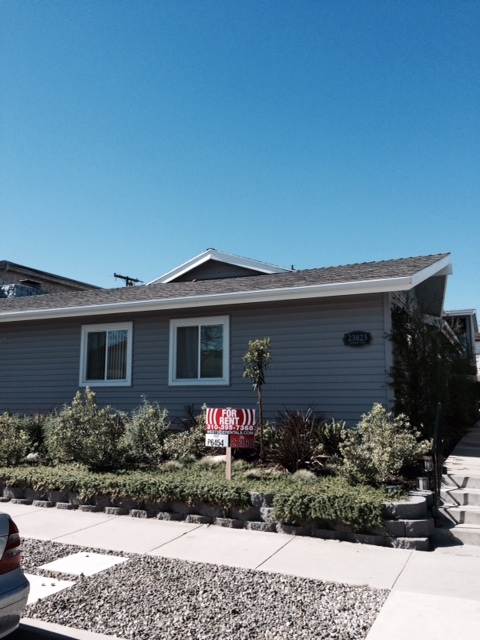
(180, 339)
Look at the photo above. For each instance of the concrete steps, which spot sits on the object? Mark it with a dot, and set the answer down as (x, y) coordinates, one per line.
(464, 514)
(461, 496)
(457, 534)
(460, 509)
(453, 481)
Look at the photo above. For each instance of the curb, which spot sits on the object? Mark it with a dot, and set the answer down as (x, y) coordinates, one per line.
(31, 629)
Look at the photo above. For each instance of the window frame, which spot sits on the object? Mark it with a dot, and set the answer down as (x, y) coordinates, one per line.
(105, 327)
(199, 322)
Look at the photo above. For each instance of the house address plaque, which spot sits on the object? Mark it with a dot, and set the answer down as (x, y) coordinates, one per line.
(357, 338)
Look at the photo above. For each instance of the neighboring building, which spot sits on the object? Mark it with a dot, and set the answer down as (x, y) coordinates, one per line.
(17, 280)
(181, 341)
(466, 327)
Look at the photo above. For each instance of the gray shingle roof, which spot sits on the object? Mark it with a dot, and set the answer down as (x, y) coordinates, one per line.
(364, 272)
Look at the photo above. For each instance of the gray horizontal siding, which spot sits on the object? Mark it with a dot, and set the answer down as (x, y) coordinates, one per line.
(39, 363)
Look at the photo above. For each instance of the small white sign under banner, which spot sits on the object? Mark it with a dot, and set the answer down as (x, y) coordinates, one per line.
(216, 440)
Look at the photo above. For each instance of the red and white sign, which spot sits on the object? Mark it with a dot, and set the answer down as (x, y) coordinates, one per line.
(233, 428)
(231, 421)
(242, 442)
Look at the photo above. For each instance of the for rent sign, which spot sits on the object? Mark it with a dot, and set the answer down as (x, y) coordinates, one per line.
(232, 423)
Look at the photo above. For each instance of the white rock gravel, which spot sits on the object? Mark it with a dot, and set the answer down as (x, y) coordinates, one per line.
(150, 598)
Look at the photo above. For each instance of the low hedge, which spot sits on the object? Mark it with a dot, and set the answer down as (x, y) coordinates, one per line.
(329, 500)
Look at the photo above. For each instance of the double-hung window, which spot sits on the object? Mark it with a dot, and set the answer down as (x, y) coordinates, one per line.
(106, 354)
(199, 349)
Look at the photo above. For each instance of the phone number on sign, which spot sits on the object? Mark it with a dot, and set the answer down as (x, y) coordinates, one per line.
(244, 431)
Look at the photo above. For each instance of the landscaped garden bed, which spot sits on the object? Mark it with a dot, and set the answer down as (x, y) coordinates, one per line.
(304, 505)
(312, 477)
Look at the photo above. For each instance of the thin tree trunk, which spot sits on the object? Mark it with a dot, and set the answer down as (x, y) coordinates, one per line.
(260, 419)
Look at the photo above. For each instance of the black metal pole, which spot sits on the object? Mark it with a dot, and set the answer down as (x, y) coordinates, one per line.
(437, 465)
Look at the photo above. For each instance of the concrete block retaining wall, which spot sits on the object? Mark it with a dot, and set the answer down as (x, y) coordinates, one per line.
(407, 524)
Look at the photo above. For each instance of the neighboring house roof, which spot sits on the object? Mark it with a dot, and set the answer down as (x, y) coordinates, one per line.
(218, 256)
(12, 273)
(464, 312)
(371, 277)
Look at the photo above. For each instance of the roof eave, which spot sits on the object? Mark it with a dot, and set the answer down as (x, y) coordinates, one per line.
(213, 300)
(383, 285)
(442, 267)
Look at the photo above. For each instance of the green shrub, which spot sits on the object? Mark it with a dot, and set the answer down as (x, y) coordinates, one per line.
(83, 433)
(379, 447)
(295, 442)
(331, 435)
(304, 475)
(33, 425)
(15, 441)
(328, 502)
(188, 445)
(188, 485)
(145, 432)
(208, 462)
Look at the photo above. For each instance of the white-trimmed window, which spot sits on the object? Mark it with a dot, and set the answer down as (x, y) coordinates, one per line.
(106, 354)
(199, 349)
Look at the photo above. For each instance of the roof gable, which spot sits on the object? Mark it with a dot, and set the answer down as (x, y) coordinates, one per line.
(195, 269)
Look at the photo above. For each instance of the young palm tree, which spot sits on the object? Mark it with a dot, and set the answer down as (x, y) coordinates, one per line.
(255, 362)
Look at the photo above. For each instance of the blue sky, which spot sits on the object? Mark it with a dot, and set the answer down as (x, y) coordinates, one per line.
(135, 134)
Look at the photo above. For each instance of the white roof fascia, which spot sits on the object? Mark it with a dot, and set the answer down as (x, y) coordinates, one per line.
(442, 267)
(212, 300)
(220, 256)
(241, 297)
(460, 312)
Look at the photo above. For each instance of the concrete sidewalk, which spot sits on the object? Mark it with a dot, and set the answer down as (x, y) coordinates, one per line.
(433, 594)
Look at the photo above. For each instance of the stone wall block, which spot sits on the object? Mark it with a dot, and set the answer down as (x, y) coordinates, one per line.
(418, 544)
(208, 510)
(181, 507)
(250, 513)
(13, 492)
(413, 508)
(395, 528)
(102, 501)
(261, 526)
(57, 496)
(193, 518)
(261, 499)
(293, 530)
(266, 514)
(230, 523)
(419, 528)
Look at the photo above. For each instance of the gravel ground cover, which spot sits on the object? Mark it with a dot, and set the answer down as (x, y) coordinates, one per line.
(150, 598)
